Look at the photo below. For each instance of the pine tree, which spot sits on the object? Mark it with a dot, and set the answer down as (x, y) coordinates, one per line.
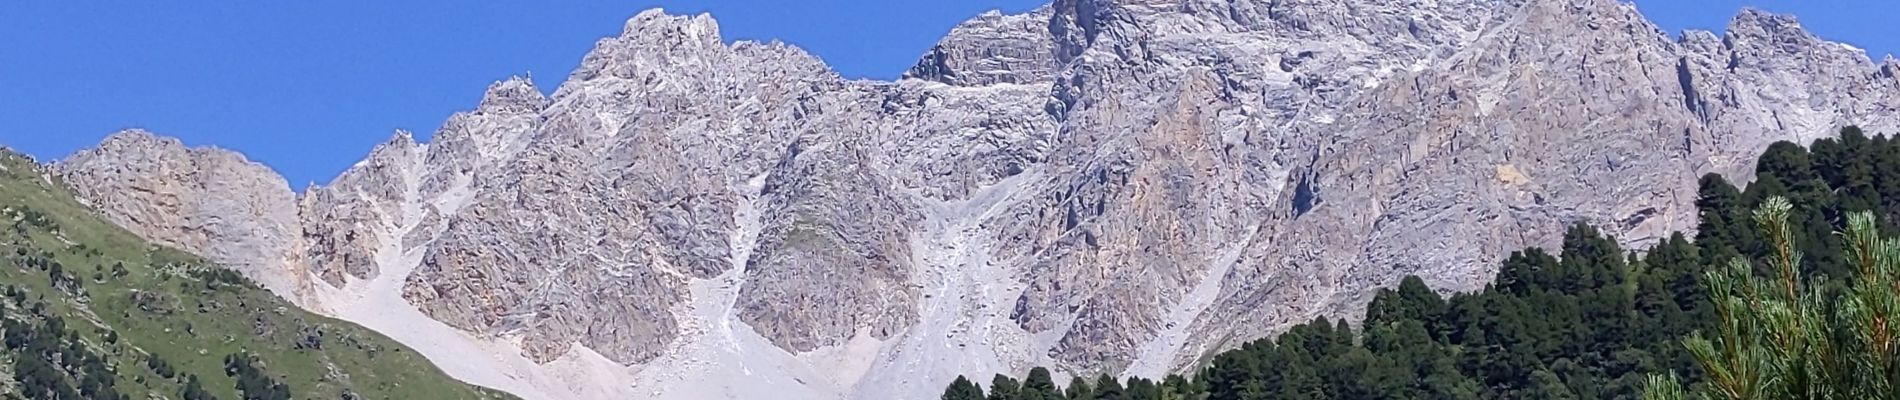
(1546, 385)
(1003, 387)
(1079, 389)
(1108, 388)
(1857, 184)
(1040, 385)
(1780, 338)
(1412, 300)
(1143, 389)
(1177, 387)
(963, 389)
(1720, 212)
(195, 390)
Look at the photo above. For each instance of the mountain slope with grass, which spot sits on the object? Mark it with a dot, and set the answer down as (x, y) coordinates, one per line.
(89, 310)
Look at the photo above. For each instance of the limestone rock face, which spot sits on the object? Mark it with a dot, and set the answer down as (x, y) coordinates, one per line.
(1103, 186)
(345, 221)
(210, 201)
(993, 48)
(1564, 111)
(834, 253)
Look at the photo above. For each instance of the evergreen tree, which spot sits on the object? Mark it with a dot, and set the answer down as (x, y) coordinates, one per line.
(1412, 300)
(1107, 388)
(962, 389)
(195, 390)
(1003, 387)
(1546, 385)
(1079, 389)
(1593, 320)
(1039, 385)
(1780, 338)
(1176, 387)
(1855, 174)
(1143, 389)
(1886, 180)
(1722, 227)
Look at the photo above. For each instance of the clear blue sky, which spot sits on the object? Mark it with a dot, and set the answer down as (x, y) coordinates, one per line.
(309, 86)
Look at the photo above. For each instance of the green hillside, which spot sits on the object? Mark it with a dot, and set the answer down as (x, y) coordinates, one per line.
(91, 311)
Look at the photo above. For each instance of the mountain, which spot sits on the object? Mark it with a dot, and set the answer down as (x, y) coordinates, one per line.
(1120, 186)
(92, 311)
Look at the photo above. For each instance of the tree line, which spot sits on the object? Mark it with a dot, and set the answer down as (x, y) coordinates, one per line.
(1592, 320)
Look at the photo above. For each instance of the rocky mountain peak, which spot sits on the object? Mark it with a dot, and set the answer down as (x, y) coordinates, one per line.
(1100, 186)
(401, 147)
(656, 23)
(1589, 12)
(669, 53)
(1753, 22)
(139, 138)
(516, 94)
(653, 41)
(992, 48)
(656, 30)
(399, 138)
(1754, 33)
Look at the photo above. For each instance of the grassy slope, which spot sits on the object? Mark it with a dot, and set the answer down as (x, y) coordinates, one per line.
(189, 322)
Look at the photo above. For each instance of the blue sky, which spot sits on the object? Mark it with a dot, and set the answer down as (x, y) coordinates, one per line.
(309, 86)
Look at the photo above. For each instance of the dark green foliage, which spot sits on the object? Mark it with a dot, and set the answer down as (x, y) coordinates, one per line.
(1107, 388)
(252, 381)
(215, 278)
(1142, 388)
(1079, 389)
(1780, 339)
(160, 367)
(26, 219)
(1595, 322)
(1004, 387)
(195, 390)
(963, 389)
(51, 362)
(1040, 386)
(40, 379)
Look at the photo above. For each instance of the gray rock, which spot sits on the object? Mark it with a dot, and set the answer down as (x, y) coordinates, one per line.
(1101, 186)
(210, 201)
(993, 48)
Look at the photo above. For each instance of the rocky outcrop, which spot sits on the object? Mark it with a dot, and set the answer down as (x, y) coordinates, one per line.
(834, 253)
(209, 201)
(1102, 186)
(346, 222)
(993, 48)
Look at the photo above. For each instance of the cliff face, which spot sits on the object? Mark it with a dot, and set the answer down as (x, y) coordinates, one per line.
(210, 201)
(1103, 186)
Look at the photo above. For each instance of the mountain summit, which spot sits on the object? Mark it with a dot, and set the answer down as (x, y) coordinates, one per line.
(1104, 186)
